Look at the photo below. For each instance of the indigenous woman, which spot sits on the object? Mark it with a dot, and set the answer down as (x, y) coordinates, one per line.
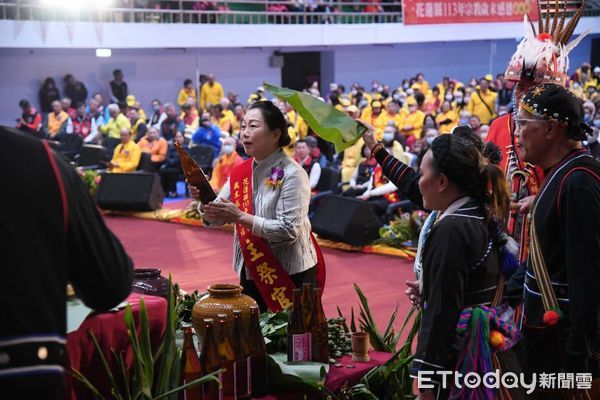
(267, 200)
(458, 263)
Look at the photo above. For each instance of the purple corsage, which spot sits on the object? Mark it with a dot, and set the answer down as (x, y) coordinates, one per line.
(274, 180)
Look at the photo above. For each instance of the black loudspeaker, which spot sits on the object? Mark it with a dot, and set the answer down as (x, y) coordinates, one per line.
(130, 192)
(347, 220)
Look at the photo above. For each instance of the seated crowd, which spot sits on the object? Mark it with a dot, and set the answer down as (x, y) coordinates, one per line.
(406, 120)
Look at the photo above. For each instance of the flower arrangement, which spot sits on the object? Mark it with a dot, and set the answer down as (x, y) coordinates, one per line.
(91, 178)
(402, 229)
(275, 178)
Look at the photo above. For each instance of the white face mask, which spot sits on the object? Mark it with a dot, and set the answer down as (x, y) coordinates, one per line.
(430, 139)
(448, 97)
(354, 92)
(227, 149)
(467, 99)
(396, 97)
(388, 137)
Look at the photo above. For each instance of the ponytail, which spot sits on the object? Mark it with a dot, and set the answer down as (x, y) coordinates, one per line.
(494, 191)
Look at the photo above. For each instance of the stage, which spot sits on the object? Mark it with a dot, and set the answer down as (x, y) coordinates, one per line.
(197, 257)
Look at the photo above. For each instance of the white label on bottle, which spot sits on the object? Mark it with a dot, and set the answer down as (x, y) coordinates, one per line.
(301, 347)
(249, 373)
(221, 386)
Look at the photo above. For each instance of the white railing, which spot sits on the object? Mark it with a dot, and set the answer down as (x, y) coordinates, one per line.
(223, 12)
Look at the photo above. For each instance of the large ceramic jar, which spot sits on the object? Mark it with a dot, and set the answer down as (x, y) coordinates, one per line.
(150, 281)
(221, 299)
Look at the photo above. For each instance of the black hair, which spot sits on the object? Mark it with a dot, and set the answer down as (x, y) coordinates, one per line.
(24, 103)
(420, 98)
(274, 119)
(80, 104)
(187, 82)
(460, 158)
(67, 77)
(302, 141)
(49, 80)
(117, 71)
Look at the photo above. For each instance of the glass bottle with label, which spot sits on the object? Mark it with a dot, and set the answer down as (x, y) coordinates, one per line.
(210, 361)
(258, 355)
(242, 357)
(319, 330)
(190, 367)
(299, 341)
(227, 355)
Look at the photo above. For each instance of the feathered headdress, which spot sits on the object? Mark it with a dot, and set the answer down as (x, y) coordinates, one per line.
(544, 56)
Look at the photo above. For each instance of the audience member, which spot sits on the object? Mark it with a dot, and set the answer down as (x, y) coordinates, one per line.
(413, 124)
(158, 115)
(156, 146)
(172, 123)
(171, 169)
(47, 94)
(188, 90)
(190, 119)
(307, 162)
(67, 106)
(114, 127)
(96, 113)
(83, 124)
(207, 134)
(75, 90)
(227, 160)
(59, 121)
(447, 119)
(126, 157)
(31, 120)
(138, 124)
(483, 102)
(359, 181)
(211, 92)
(118, 87)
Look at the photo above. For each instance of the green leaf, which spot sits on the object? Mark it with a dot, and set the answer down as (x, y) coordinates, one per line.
(107, 369)
(89, 385)
(213, 377)
(325, 120)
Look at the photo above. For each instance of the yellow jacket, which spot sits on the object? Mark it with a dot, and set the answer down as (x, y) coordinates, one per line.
(398, 119)
(301, 127)
(127, 157)
(113, 126)
(157, 148)
(352, 156)
(289, 150)
(447, 128)
(55, 122)
(477, 106)
(212, 95)
(415, 120)
(184, 94)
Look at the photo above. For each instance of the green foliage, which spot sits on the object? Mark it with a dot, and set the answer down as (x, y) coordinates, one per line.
(401, 229)
(153, 375)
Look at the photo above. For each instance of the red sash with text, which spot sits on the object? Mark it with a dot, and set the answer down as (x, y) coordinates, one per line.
(274, 284)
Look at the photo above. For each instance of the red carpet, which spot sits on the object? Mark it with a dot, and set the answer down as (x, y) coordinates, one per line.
(198, 257)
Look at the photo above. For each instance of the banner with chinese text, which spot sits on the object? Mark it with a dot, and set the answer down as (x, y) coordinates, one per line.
(455, 11)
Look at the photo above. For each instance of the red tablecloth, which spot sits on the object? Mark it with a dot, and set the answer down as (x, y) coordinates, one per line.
(338, 376)
(111, 333)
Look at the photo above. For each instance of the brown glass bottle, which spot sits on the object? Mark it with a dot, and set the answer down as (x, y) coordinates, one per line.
(227, 356)
(319, 330)
(299, 342)
(307, 305)
(210, 361)
(242, 357)
(258, 355)
(190, 367)
(194, 175)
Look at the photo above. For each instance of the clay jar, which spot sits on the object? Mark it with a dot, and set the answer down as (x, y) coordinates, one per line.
(221, 299)
(150, 281)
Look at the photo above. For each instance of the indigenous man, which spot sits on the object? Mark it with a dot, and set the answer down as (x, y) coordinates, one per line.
(561, 305)
(540, 57)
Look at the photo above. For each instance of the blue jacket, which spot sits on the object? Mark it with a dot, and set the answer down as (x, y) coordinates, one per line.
(208, 136)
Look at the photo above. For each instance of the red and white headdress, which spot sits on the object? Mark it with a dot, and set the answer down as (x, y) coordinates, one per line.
(544, 56)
